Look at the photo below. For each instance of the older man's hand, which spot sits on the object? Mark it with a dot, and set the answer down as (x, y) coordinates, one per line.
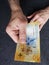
(42, 16)
(16, 27)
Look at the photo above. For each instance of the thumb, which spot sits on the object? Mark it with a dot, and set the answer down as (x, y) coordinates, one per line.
(32, 15)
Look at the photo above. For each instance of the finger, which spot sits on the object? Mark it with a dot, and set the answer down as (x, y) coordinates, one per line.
(22, 35)
(11, 32)
(35, 18)
(32, 15)
(40, 27)
(40, 20)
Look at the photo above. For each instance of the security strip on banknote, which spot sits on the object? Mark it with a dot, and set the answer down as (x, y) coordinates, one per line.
(29, 52)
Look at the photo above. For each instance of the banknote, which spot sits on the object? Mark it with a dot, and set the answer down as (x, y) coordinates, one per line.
(29, 52)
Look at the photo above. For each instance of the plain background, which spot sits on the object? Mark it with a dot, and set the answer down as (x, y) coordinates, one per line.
(8, 47)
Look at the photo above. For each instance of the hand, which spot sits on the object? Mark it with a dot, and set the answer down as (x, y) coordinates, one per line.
(16, 27)
(42, 16)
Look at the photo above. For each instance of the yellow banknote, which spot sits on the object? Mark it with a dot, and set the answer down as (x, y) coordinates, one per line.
(29, 52)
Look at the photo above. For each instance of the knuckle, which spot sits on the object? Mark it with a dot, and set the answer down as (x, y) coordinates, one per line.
(18, 19)
(7, 28)
(37, 15)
